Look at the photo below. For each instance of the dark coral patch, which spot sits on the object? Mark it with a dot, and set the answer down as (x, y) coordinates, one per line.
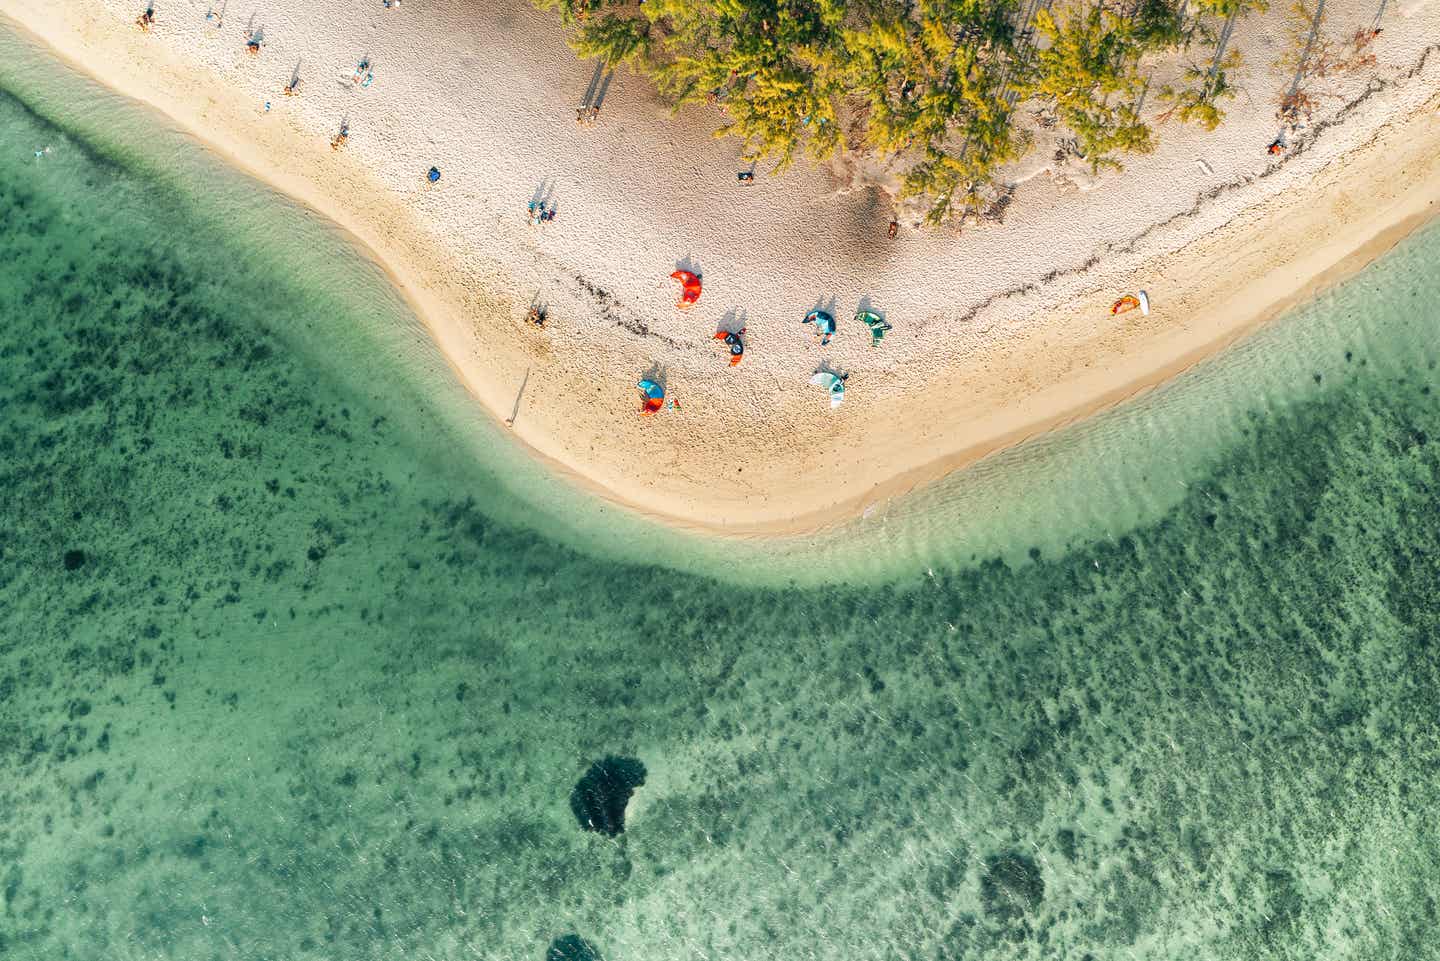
(572, 947)
(600, 797)
(1011, 886)
(74, 560)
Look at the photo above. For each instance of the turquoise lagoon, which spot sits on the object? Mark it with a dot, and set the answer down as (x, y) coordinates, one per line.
(301, 658)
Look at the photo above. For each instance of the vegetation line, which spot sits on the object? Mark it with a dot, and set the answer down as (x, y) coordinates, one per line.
(932, 87)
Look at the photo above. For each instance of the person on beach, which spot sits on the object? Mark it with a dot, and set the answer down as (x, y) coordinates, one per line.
(894, 229)
(146, 20)
(339, 139)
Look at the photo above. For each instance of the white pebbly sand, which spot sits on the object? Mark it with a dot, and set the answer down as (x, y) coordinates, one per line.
(1000, 331)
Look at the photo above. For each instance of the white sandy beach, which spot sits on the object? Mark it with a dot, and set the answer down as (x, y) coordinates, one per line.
(1000, 332)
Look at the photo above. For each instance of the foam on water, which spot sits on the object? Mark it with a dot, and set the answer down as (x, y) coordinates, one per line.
(283, 675)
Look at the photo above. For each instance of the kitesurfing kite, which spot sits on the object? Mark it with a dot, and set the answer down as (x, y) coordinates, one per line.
(824, 325)
(652, 397)
(734, 341)
(1129, 302)
(689, 288)
(834, 383)
(875, 322)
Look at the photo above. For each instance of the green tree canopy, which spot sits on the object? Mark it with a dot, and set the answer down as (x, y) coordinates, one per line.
(934, 84)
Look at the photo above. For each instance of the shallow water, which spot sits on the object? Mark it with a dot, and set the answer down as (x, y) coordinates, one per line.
(282, 675)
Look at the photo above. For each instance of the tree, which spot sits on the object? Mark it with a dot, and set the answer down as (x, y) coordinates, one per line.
(1197, 100)
(935, 83)
(1089, 71)
(932, 85)
(614, 39)
(1225, 9)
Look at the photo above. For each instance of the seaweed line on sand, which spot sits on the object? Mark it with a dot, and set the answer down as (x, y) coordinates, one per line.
(1204, 198)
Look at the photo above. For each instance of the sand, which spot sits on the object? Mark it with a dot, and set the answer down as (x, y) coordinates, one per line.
(1000, 331)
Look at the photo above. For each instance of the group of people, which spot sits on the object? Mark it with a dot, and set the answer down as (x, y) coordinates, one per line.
(541, 212)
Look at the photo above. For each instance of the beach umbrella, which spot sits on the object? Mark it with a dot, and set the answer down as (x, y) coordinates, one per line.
(689, 287)
(434, 175)
(835, 385)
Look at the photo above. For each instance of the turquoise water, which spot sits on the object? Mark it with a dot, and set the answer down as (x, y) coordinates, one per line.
(297, 662)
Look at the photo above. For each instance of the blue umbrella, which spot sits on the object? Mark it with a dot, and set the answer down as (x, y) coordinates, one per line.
(433, 175)
(651, 389)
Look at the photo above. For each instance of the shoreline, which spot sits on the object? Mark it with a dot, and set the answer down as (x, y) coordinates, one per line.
(1357, 201)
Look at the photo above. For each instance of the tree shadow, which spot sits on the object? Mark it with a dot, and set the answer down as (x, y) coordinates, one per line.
(586, 101)
(510, 421)
(1289, 101)
(604, 89)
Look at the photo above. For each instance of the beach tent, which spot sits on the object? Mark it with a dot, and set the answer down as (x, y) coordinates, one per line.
(689, 287)
(652, 397)
(835, 385)
(433, 175)
(875, 322)
(824, 325)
